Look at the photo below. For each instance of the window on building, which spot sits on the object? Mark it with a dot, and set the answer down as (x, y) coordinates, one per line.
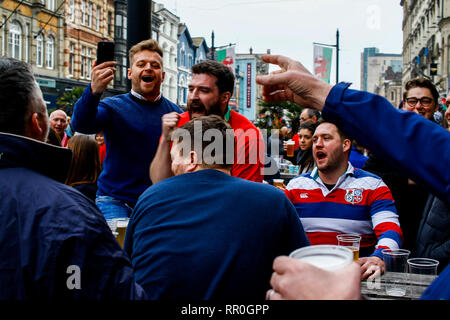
(71, 10)
(109, 22)
(39, 51)
(89, 61)
(50, 53)
(15, 40)
(118, 26)
(97, 18)
(51, 5)
(125, 26)
(124, 66)
(71, 58)
(83, 62)
(83, 12)
(27, 42)
(90, 14)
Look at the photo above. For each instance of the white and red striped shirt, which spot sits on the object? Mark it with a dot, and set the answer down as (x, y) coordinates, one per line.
(359, 203)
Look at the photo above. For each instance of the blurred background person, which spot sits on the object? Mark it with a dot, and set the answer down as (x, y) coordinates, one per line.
(58, 122)
(304, 157)
(100, 138)
(85, 166)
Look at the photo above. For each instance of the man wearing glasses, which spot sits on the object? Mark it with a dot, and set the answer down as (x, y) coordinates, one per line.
(421, 97)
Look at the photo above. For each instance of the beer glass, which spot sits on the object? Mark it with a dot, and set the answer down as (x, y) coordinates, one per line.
(351, 241)
(290, 148)
(327, 257)
(122, 224)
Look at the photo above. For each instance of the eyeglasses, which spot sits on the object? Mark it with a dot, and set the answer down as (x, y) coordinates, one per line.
(425, 101)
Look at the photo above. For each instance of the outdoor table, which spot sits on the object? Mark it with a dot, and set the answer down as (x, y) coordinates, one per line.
(287, 176)
(415, 286)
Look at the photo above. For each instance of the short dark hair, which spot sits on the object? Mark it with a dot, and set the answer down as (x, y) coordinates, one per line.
(308, 125)
(421, 83)
(220, 159)
(225, 78)
(342, 134)
(17, 84)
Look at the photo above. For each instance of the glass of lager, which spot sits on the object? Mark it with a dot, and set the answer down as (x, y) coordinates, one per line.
(350, 241)
(327, 257)
(290, 148)
(122, 224)
(278, 183)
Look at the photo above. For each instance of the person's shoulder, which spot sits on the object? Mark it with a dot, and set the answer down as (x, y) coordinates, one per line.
(360, 173)
(171, 105)
(301, 181)
(239, 121)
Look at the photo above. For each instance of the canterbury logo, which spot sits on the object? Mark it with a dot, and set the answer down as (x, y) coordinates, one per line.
(303, 195)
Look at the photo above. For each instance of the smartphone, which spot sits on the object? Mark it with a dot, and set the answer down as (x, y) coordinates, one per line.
(105, 51)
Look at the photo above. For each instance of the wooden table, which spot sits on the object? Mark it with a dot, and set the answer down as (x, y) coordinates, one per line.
(415, 285)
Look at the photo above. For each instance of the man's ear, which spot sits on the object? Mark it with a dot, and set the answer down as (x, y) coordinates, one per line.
(34, 128)
(225, 97)
(346, 145)
(193, 161)
(129, 73)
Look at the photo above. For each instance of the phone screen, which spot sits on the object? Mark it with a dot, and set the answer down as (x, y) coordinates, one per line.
(105, 51)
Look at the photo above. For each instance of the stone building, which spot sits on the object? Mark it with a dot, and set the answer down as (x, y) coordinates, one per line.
(168, 40)
(426, 41)
(32, 31)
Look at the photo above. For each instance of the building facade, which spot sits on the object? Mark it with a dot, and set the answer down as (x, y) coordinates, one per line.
(248, 94)
(374, 66)
(168, 40)
(426, 40)
(32, 31)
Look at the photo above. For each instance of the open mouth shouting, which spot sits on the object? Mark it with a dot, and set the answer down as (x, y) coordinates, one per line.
(147, 79)
(320, 156)
(197, 109)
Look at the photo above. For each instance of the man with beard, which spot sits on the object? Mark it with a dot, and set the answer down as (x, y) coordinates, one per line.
(131, 124)
(209, 93)
(337, 199)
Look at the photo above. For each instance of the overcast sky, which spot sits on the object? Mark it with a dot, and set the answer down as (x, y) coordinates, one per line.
(289, 27)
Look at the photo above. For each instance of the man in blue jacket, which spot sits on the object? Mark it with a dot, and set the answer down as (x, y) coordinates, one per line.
(54, 242)
(131, 124)
(204, 234)
(359, 114)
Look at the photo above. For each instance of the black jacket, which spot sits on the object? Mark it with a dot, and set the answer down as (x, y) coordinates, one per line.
(433, 239)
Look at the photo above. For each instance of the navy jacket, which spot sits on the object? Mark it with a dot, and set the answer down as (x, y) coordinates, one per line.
(54, 242)
(207, 235)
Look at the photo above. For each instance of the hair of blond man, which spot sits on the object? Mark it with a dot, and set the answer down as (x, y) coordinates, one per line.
(149, 44)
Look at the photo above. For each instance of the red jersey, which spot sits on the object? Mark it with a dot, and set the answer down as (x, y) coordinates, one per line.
(249, 151)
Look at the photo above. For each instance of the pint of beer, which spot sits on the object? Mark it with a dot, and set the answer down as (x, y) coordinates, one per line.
(350, 241)
(290, 148)
(278, 182)
(122, 224)
(327, 257)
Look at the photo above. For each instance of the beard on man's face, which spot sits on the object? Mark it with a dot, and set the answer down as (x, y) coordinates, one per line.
(196, 108)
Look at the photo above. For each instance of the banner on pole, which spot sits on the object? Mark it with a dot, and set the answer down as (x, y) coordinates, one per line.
(227, 56)
(322, 62)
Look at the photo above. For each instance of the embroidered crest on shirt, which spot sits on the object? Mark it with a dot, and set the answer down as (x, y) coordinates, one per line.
(354, 195)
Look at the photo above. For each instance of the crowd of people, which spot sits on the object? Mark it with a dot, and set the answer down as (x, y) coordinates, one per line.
(203, 224)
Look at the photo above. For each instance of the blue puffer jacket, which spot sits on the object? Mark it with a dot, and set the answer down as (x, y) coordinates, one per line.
(54, 242)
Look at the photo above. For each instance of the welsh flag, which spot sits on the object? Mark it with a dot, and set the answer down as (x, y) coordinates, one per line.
(322, 62)
(227, 56)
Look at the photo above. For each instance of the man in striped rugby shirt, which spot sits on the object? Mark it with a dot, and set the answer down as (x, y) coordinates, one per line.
(336, 198)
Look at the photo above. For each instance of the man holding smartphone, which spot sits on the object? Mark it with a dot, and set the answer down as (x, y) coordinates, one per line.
(131, 124)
